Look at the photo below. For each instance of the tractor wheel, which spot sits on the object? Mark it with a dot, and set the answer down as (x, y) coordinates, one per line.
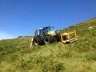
(49, 39)
(58, 38)
(38, 40)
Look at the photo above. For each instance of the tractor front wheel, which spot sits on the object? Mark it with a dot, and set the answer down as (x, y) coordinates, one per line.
(38, 40)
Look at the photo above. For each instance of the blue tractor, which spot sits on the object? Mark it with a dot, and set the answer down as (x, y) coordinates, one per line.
(44, 35)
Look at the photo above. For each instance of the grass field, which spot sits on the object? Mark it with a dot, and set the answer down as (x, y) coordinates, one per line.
(80, 56)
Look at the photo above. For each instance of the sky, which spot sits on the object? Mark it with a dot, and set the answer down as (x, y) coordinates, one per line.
(23, 17)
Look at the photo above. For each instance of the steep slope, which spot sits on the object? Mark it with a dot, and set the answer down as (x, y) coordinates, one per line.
(80, 56)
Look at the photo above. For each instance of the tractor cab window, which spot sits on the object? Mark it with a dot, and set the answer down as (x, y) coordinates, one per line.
(36, 32)
(41, 32)
(46, 29)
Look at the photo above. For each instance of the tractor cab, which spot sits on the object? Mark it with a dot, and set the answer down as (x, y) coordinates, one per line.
(44, 31)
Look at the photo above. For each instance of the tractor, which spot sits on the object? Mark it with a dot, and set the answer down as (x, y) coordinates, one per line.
(46, 35)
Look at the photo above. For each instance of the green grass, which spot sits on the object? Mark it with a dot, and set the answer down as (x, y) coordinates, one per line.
(80, 56)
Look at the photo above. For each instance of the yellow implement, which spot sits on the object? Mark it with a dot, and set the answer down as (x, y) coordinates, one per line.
(31, 42)
(68, 37)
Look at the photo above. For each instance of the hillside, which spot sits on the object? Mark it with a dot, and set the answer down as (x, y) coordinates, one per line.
(80, 56)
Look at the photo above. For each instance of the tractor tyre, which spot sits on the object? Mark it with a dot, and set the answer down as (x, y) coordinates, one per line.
(58, 38)
(38, 40)
(49, 39)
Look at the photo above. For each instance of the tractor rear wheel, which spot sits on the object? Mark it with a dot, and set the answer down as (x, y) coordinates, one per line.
(58, 38)
(49, 39)
(38, 40)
